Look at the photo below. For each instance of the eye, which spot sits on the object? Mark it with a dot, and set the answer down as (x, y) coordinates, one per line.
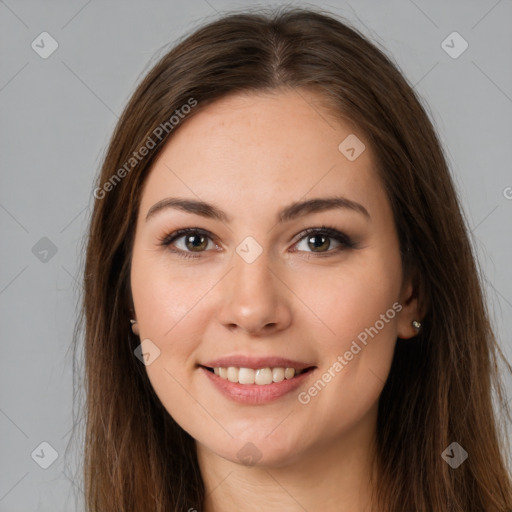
(319, 240)
(187, 241)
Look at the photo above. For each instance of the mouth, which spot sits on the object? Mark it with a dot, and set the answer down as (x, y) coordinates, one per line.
(257, 376)
(256, 386)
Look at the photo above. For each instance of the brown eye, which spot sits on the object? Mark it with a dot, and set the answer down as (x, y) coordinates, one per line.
(186, 242)
(324, 240)
(320, 242)
(196, 243)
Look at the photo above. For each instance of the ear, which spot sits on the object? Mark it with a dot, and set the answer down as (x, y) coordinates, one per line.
(410, 309)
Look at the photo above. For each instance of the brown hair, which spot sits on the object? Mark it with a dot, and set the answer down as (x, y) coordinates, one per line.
(440, 385)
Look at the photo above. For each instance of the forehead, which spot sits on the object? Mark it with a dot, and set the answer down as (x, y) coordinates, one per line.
(260, 149)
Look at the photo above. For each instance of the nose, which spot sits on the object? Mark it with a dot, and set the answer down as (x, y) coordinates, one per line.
(254, 298)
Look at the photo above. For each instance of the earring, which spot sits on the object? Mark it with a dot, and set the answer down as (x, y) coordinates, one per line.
(135, 327)
(416, 324)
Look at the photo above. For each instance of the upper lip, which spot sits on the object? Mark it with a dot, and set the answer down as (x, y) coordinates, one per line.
(255, 363)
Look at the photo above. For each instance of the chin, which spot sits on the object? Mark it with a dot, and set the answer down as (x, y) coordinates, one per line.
(258, 451)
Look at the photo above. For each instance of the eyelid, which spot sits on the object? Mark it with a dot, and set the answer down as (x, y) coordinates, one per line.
(330, 232)
(174, 235)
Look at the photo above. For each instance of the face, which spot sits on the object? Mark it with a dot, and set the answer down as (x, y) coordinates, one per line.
(278, 250)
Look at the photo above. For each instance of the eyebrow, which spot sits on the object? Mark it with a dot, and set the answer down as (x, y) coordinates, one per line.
(293, 211)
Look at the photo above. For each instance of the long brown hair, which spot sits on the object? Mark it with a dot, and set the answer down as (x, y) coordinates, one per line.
(441, 383)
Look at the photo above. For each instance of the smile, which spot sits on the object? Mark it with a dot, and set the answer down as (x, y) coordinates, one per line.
(256, 386)
(260, 376)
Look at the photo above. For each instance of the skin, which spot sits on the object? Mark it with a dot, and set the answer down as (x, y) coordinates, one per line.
(251, 155)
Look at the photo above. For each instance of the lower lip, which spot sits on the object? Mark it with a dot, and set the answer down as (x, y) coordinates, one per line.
(256, 394)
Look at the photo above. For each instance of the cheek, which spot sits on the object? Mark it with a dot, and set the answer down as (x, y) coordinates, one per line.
(358, 310)
(169, 310)
(352, 298)
(355, 359)
(167, 317)
(165, 299)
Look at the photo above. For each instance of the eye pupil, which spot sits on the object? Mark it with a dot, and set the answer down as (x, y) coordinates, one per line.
(319, 245)
(194, 244)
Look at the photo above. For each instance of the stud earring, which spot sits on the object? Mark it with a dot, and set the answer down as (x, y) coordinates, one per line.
(135, 327)
(416, 324)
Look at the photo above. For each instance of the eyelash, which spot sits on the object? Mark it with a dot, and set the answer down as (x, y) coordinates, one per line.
(330, 232)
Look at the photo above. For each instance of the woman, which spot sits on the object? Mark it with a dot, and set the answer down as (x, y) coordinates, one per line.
(282, 308)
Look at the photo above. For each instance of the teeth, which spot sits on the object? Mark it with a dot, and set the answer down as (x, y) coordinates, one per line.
(278, 374)
(233, 374)
(261, 376)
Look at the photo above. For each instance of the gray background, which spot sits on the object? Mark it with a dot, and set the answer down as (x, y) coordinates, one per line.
(58, 113)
